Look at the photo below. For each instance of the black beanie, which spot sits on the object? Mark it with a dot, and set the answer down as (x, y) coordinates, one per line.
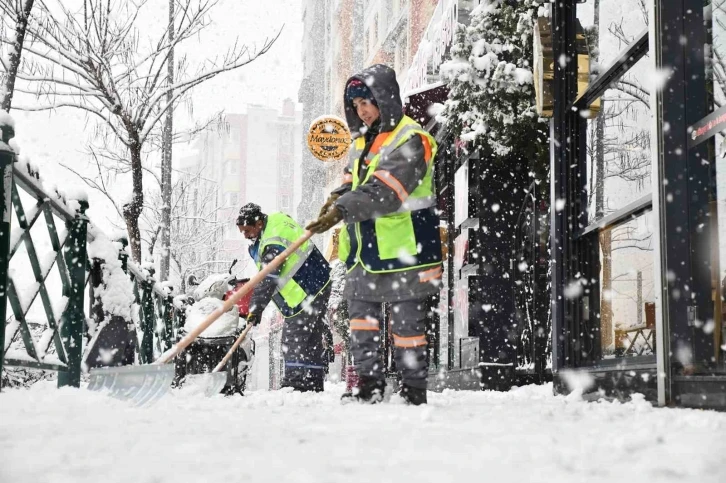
(249, 214)
(356, 88)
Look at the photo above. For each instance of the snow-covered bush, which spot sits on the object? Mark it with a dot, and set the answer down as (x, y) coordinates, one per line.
(491, 107)
(491, 102)
(117, 290)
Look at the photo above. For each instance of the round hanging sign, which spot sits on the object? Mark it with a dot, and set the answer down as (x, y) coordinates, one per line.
(329, 138)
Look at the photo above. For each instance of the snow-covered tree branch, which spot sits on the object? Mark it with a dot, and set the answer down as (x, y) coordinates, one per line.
(16, 15)
(491, 94)
(196, 227)
(100, 59)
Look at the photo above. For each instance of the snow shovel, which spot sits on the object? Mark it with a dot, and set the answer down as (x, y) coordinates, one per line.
(213, 382)
(146, 384)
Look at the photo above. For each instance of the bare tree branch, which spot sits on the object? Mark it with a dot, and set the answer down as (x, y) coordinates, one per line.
(100, 62)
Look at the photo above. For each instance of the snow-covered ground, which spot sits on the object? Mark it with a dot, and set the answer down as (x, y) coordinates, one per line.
(526, 435)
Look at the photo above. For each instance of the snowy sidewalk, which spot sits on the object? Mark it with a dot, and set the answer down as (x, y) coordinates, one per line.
(526, 435)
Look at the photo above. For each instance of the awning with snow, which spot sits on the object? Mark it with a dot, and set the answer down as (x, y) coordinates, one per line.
(420, 104)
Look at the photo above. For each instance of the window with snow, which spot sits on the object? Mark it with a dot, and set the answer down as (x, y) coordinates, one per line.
(231, 167)
(619, 144)
(232, 199)
(284, 202)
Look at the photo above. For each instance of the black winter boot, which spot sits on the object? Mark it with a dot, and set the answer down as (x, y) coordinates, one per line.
(413, 395)
(369, 391)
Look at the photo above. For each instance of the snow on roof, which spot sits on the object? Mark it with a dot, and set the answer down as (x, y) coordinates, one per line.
(421, 89)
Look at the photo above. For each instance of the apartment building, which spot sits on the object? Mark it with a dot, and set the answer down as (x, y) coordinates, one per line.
(253, 158)
(340, 38)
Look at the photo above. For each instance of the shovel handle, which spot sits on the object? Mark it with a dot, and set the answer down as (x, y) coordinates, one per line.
(232, 301)
(231, 350)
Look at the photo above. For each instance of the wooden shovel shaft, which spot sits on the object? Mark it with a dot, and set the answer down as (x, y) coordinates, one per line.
(231, 302)
(231, 350)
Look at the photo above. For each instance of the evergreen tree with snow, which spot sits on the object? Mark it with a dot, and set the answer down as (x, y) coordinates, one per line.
(491, 103)
(492, 108)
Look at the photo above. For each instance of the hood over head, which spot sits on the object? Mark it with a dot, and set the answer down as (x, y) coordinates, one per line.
(381, 80)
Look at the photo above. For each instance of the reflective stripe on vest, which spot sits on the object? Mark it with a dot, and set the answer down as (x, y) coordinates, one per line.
(303, 254)
(406, 239)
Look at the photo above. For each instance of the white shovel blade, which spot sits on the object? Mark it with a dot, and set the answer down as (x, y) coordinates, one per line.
(209, 383)
(141, 385)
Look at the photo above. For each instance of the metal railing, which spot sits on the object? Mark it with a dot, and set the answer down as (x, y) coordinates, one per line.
(57, 342)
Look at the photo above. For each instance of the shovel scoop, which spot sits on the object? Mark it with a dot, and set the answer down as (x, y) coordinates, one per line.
(212, 383)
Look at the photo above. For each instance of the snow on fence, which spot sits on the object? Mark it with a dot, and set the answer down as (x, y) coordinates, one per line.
(46, 269)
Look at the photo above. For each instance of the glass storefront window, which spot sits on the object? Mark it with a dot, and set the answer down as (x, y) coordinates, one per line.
(619, 21)
(619, 146)
(718, 248)
(627, 290)
(715, 19)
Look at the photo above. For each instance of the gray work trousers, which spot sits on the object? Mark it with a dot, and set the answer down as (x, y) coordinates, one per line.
(408, 325)
(302, 346)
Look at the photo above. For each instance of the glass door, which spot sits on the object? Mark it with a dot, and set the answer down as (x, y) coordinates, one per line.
(712, 131)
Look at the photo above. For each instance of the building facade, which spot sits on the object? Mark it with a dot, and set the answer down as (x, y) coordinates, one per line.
(624, 251)
(312, 97)
(340, 38)
(252, 159)
(638, 270)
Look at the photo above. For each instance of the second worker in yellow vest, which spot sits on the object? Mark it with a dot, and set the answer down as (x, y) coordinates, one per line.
(390, 242)
(299, 288)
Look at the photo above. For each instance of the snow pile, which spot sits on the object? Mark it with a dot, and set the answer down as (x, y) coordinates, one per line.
(167, 287)
(75, 193)
(117, 291)
(577, 382)
(180, 301)
(147, 268)
(225, 325)
(526, 435)
(435, 109)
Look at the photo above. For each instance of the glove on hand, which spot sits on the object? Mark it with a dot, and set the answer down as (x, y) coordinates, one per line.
(328, 203)
(326, 222)
(253, 319)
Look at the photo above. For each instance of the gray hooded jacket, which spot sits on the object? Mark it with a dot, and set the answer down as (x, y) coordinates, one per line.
(374, 198)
